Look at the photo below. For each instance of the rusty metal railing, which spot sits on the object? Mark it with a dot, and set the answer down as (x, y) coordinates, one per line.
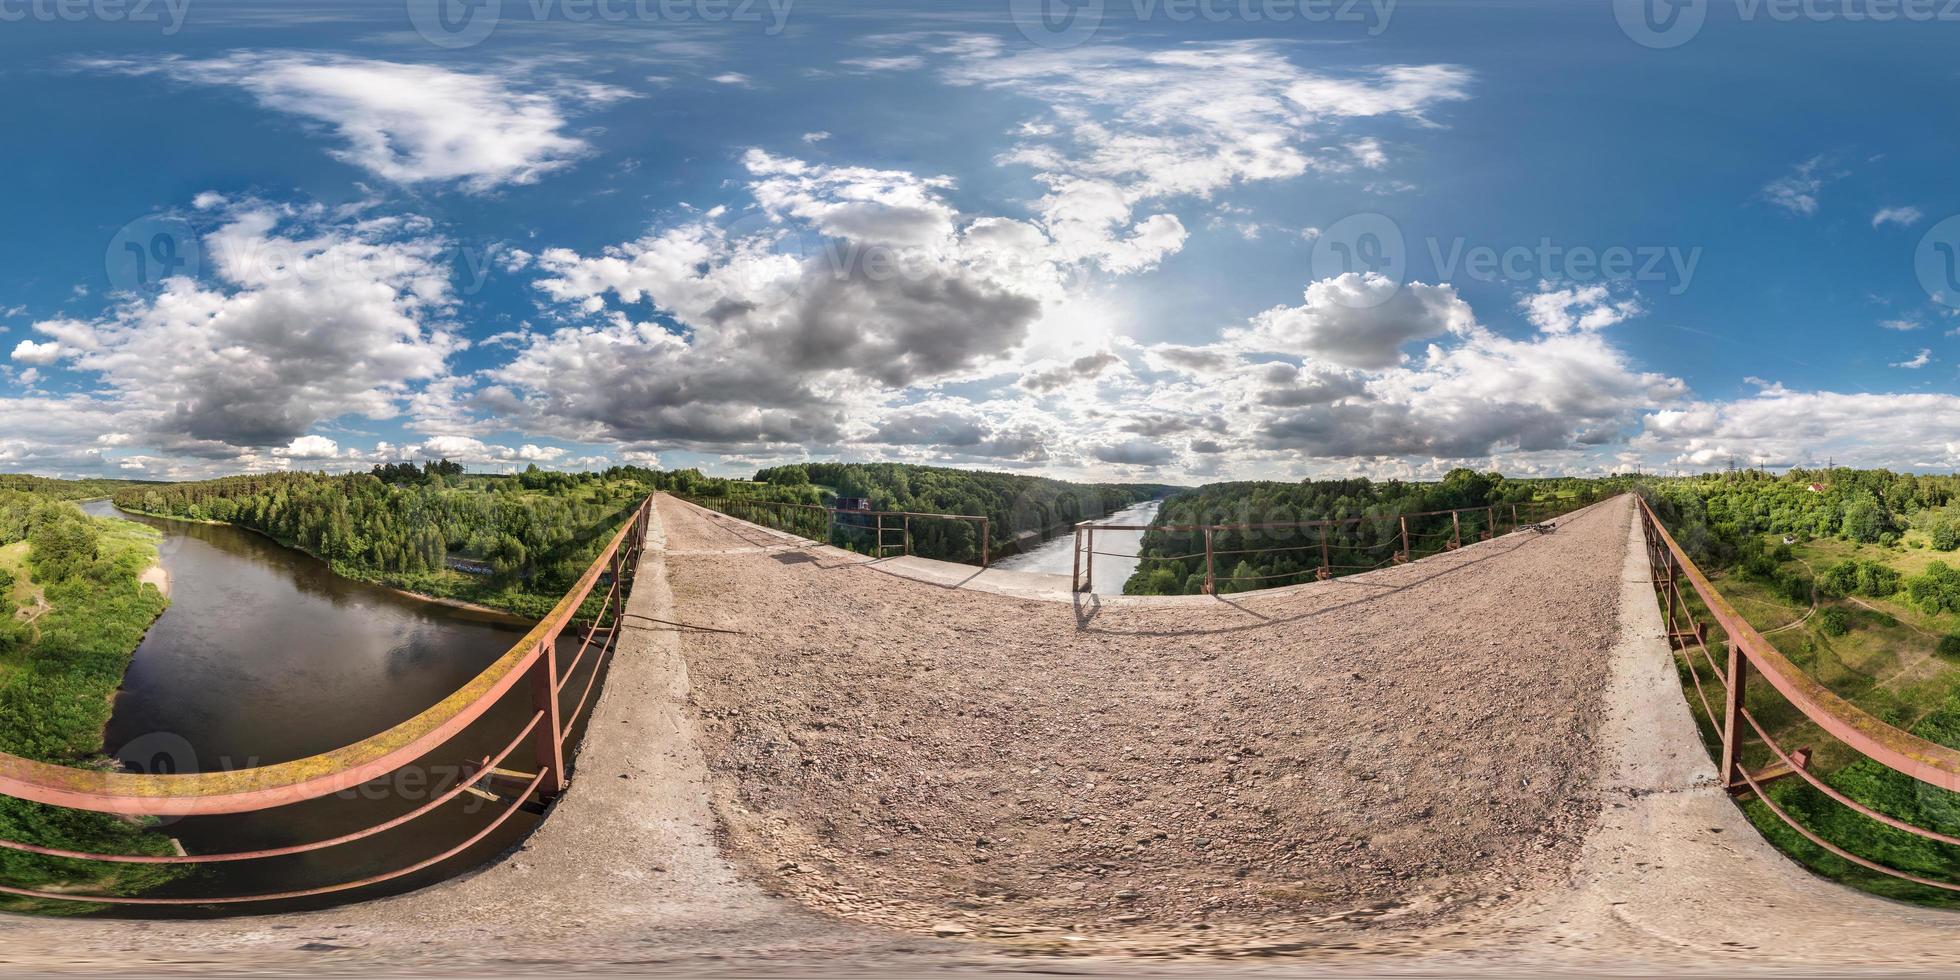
(1331, 558)
(819, 523)
(1743, 651)
(534, 659)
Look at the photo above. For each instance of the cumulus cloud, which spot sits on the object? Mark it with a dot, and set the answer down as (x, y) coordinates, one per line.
(409, 123)
(308, 320)
(1919, 360)
(1553, 309)
(1785, 426)
(1358, 320)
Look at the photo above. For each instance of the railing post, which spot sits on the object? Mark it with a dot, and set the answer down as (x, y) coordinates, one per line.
(905, 539)
(1090, 584)
(1456, 531)
(1326, 560)
(1514, 516)
(1405, 538)
(548, 740)
(1211, 567)
(1075, 574)
(1737, 679)
(984, 542)
(1490, 522)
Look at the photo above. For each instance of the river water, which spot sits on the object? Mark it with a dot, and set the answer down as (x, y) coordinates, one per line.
(1115, 560)
(264, 656)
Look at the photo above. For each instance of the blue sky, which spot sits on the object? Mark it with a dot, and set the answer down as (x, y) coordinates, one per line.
(1136, 239)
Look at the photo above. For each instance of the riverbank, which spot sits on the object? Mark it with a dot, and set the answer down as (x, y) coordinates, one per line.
(57, 691)
(497, 614)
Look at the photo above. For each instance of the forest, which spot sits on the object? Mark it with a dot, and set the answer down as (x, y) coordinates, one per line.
(1369, 535)
(515, 543)
(1016, 507)
(72, 610)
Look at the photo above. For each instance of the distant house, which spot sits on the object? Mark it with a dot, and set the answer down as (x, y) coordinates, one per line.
(468, 566)
(1817, 488)
(854, 503)
(1789, 539)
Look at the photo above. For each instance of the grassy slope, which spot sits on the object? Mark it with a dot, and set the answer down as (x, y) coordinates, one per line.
(1886, 665)
(55, 699)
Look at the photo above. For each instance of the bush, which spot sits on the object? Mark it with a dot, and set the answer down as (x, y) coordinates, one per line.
(1946, 535)
(1949, 646)
(1834, 622)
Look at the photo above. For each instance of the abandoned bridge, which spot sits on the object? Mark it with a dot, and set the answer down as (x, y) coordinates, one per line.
(808, 761)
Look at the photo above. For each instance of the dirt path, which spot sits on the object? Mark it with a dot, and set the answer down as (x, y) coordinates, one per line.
(1183, 776)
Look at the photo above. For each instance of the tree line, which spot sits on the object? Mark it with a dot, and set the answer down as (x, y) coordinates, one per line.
(1017, 507)
(517, 543)
(1367, 533)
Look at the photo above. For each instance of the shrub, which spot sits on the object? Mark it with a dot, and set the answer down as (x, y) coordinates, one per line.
(1946, 535)
(1949, 646)
(1834, 622)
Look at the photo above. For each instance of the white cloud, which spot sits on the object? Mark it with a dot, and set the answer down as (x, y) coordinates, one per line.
(309, 319)
(309, 448)
(734, 78)
(816, 137)
(1901, 324)
(43, 354)
(408, 123)
(1781, 426)
(1904, 217)
(1359, 320)
(1368, 153)
(1919, 360)
(1555, 309)
(893, 63)
(1797, 192)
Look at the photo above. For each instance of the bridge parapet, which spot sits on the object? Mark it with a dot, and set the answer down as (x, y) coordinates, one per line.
(533, 660)
(1732, 654)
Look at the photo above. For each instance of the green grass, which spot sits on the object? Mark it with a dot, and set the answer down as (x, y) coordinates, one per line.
(1886, 664)
(55, 698)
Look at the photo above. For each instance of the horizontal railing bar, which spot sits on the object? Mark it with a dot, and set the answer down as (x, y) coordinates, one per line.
(1924, 760)
(476, 838)
(459, 789)
(266, 787)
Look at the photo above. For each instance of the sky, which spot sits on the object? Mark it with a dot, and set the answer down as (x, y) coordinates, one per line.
(1166, 240)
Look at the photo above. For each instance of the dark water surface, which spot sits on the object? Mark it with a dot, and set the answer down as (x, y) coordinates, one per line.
(265, 656)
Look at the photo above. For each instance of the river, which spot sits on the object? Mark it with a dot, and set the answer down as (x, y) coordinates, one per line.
(264, 656)
(1116, 558)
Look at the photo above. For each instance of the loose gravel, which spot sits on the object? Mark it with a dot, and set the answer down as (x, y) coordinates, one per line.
(1243, 772)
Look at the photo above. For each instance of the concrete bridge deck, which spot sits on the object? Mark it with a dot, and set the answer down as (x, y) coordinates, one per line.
(1477, 763)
